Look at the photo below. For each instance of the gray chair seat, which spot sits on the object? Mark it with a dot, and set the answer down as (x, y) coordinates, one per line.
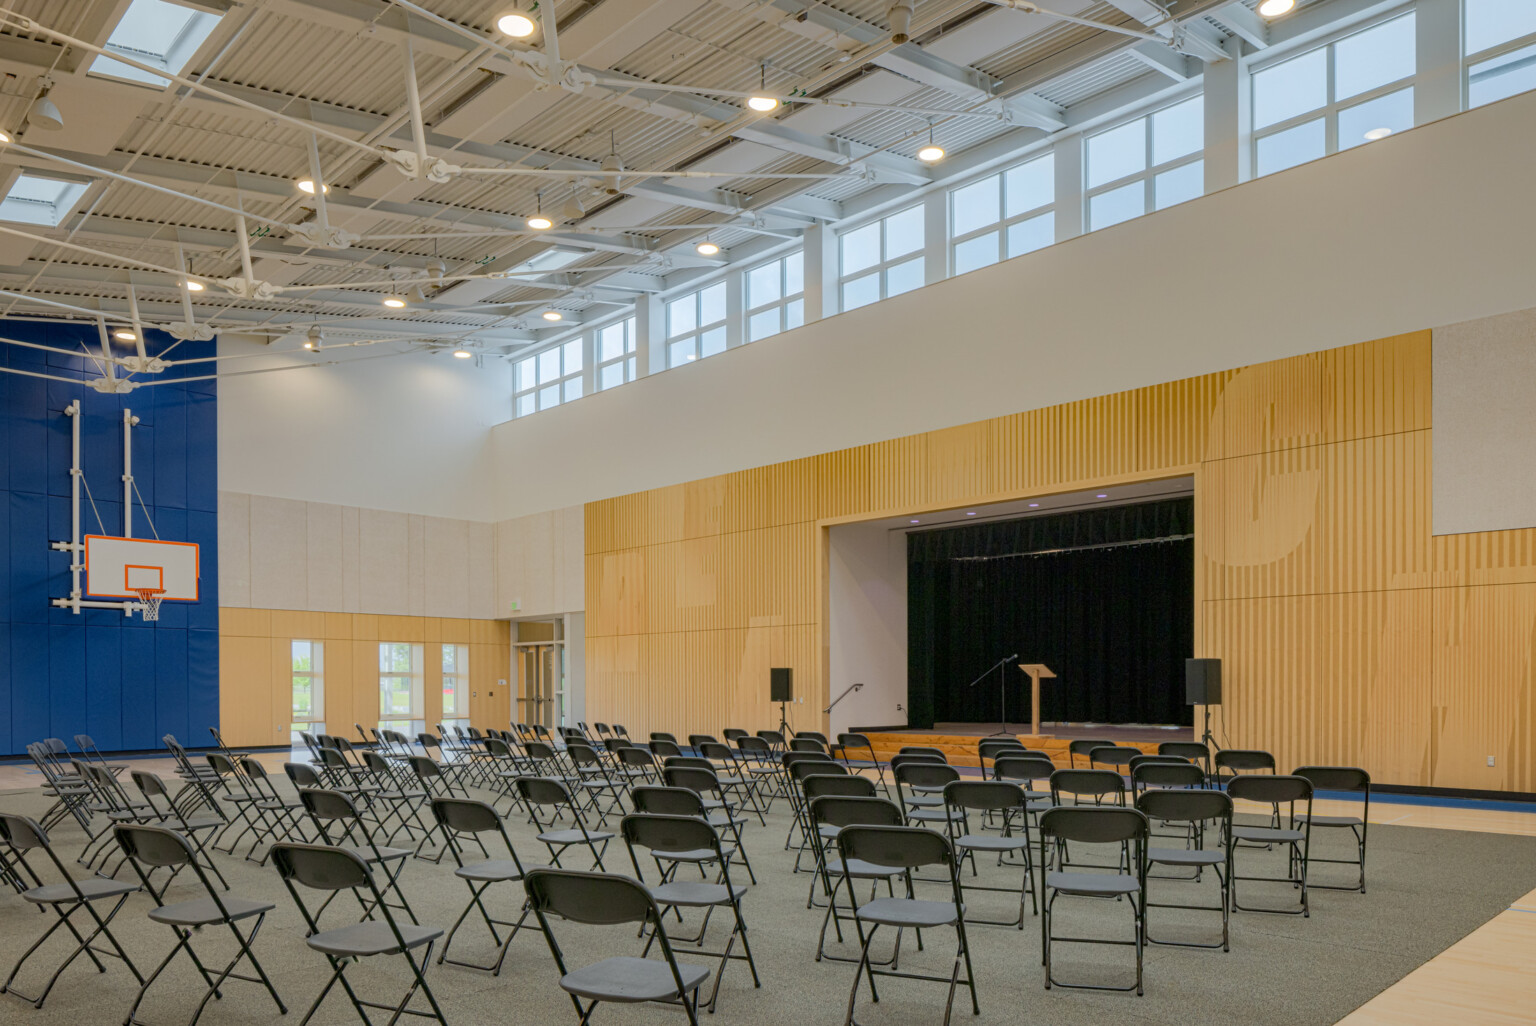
(1095, 884)
(385, 854)
(1185, 857)
(861, 870)
(1267, 835)
(991, 842)
(695, 893)
(908, 912)
(204, 911)
(939, 815)
(925, 800)
(494, 869)
(1042, 805)
(1330, 821)
(573, 836)
(93, 887)
(185, 825)
(693, 854)
(630, 979)
(363, 939)
(828, 831)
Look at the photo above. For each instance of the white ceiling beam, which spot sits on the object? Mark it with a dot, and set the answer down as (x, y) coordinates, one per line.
(1193, 33)
(1241, 21)
(1163, 59)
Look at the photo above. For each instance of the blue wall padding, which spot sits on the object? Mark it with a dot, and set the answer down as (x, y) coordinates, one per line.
(125, 682)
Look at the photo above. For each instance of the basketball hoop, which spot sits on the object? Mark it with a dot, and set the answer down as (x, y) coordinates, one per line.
(150, 600)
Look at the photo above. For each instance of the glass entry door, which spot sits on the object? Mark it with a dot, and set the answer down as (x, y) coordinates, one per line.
(541, 691)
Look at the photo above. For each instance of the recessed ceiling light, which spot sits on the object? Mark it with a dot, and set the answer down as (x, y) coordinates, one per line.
(193, 286)
(1032, 505)
(124, 335)
(1275, 8)
(462, 354)
(931, 154)
(1378, 133)
(395, 302)
(552, 315)
(707, 248)
(307, 186)
(539, 223)
(762, 104)
(917, 521)
(515, 23)
(1103, 495)
(971, 514)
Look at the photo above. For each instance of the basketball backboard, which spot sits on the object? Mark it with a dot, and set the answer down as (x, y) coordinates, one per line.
(121, 567)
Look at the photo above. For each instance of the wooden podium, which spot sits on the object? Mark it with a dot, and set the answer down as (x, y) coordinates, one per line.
(1037, 672)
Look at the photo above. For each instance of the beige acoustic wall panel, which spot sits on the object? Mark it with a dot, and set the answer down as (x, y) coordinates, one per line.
(1352, 634)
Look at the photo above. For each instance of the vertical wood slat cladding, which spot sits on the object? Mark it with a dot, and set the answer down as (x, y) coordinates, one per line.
(256, 680)
(1349, 634)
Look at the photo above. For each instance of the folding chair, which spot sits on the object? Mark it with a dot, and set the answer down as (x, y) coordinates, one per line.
(841, 812)
(1083, 746)
(850, 745)
(199, 784)
(72, 794)
(797, 766)
(20, 836)
(920, 790)
(666, 834)
(679, 801)
(191, 827)
(541, 792)
(90, 753)
(823, 785)
(1341, 778)
(241, 798)
(1155, 772)
(595, 782)
(1198, 809)
(1195, 751)
(1274, 791)
(992, 747)
(907, 848)
(281, 817)
(638, 766)
(664, 747)
(1027, 771)
(326, 807)
(702, 781)
(1230, 762)
(661, 735)
(735, 776)
(1116, 757)
(757, 756)
(600, 899)
(324, 868)
(458, 817)
(1091, 824)
(158, 847)
(808, 744)
(1009, 801)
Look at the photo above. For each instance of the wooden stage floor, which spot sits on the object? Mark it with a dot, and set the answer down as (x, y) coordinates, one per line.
(1143, 732)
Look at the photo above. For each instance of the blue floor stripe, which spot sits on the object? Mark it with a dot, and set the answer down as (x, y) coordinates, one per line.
(1434, 801)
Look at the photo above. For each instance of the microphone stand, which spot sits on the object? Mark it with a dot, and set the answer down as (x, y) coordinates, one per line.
(1002, 692)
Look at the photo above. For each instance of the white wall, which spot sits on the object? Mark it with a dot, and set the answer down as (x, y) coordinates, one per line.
(277, 553)
(1429, 227)
(408, 433)
(1484, 399)
(867, 590)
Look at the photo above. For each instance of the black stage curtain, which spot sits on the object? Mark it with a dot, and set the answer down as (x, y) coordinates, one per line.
(1104, 597)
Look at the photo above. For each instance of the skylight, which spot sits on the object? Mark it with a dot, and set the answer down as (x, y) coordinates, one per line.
(158, 33)
(551, 259)
(36, 199)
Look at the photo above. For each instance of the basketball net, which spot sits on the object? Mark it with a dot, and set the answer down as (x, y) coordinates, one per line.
(150, 598)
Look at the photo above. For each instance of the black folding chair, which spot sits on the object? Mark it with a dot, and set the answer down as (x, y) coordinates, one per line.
(199, 830)
(281, 817)
(1095, 824)
(1083, 746)
(706, 785)
(464, 817)
(840, 812)
(154, 847)
(1007, 801)
(1341, 778)
(906, 848)
(90, 753)
(327, 807)
(1195, 751)
(601, 899)
(1231, 762)
(325, 868)
(541, 792)
(22, 836)
(822, 785)
(1274, 791)
(660, 835)
(735, 777)
(1207, 814)
(920, 791)
(858, 753)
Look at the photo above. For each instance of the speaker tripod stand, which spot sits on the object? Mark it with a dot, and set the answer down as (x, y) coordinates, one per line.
(783, 722)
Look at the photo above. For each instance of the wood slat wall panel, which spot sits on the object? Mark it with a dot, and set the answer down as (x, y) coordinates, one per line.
(255, 672)
(1351, 635)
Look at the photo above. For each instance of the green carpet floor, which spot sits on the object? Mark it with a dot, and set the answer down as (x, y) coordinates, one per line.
(1428, 888)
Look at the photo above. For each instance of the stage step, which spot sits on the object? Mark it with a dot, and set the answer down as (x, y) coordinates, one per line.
(961, 750)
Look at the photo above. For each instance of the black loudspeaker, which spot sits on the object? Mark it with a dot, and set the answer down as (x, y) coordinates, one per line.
(1202, 682)
(780, 686)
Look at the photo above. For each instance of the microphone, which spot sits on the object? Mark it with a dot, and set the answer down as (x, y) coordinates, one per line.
(1011, 658)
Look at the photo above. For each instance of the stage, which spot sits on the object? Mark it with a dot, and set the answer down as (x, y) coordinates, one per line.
(1128, 732)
